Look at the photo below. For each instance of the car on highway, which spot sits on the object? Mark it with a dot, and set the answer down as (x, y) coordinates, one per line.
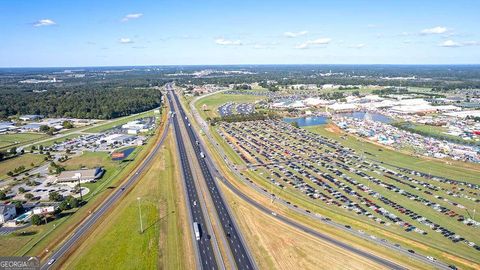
(51, 261)
(411, 251)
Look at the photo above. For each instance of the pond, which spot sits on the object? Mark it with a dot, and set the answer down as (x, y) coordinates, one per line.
(377, 117)
(308, 120)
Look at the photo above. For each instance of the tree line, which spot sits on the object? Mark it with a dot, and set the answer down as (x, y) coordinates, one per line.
(86, 102)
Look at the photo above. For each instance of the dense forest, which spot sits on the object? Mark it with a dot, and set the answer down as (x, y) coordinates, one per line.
(94, 93)
(82, 103)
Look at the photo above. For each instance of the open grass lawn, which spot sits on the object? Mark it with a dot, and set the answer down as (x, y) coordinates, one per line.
(214, 101)
(118, 244)
(90, 160)
(8, 140)
(119, 121)
(25, 160)
(455, 170)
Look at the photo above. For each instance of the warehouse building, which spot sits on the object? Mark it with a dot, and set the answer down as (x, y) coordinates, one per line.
(91, 175)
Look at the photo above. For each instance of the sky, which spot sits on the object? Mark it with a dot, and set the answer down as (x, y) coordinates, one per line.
(44, 33)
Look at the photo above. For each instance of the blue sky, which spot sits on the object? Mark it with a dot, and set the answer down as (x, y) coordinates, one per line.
(91, 33)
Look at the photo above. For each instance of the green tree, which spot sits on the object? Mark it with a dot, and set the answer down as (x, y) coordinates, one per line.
(67, 124)
(55, 196)
(3, 196)
(28, 196)
(44, 128)
(36, 220)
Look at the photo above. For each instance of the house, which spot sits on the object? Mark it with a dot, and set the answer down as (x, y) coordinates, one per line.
(83, 176)
(7, 212)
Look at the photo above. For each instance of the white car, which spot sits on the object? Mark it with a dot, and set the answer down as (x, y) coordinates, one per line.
(51, 262)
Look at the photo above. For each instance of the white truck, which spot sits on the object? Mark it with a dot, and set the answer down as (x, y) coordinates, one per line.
(196, 228)
(202, 154)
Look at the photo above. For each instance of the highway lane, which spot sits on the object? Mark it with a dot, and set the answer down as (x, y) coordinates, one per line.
(236, 242)
(204, 246)
(391, 246)
(105, 207)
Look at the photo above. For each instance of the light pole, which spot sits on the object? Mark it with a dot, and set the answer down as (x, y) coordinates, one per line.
(80, 188)
(140, 215)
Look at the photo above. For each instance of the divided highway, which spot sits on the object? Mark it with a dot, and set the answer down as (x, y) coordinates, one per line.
(236, 243)
(204, 247)
(104, 208)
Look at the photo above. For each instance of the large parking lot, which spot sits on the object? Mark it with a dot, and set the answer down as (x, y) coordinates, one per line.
(423, 206)
(230, 108)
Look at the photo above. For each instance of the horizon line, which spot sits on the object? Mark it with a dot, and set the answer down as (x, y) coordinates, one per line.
(199, 65)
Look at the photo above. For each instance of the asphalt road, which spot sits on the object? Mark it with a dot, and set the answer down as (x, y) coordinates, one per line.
(391, 246)
(241, 255)
(105, 207)
(204, 246)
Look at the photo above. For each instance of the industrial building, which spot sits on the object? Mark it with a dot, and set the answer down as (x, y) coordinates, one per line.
(83, 176)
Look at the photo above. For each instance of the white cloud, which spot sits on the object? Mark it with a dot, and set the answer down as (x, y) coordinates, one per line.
(125, 41)
(357, 46)
(44, 22)
(453, 44)
(434, 30)
(227, 42)
(309, 43)
(132, 16)
(295, 34)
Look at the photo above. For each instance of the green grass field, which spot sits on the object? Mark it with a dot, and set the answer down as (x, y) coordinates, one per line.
(119, 121)
(25, 160)
(9, 140)
(117, 244)
(214, 101)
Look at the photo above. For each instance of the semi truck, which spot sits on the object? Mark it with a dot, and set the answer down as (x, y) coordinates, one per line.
(196, 228)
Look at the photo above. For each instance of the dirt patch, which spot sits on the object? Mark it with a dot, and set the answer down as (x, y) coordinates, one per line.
(333, 128)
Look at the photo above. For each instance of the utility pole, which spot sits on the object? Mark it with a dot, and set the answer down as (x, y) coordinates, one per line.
(80, 188)
(140, 215)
